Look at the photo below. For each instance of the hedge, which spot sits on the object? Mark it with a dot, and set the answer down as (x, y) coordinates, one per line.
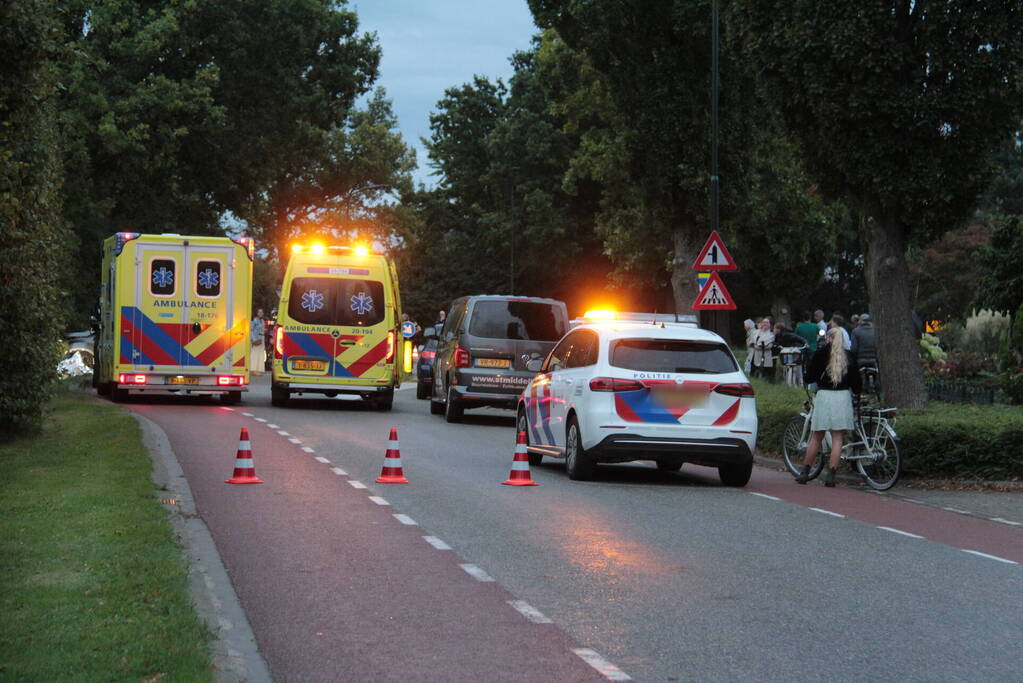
(945, 440)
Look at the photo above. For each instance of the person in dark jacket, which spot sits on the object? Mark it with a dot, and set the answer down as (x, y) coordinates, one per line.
(834, 371)
(864, 342)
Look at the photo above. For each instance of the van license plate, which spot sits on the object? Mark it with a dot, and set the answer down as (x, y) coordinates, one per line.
(308, 365)
(182, 380)
(492, 362)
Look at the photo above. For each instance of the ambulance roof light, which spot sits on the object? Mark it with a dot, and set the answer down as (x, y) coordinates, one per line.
(249, 243)
(123, 238)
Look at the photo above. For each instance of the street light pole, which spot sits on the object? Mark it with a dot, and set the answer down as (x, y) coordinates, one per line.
(715, 132)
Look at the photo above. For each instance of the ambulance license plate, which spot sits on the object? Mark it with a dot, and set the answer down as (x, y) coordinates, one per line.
(182, 380)
(308, 365)
(492, 362)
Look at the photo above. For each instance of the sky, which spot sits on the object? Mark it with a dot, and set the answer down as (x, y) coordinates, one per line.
(431, 45)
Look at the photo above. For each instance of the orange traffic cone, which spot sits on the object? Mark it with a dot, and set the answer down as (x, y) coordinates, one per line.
(244, 469)
(392, 472)
(520, 465)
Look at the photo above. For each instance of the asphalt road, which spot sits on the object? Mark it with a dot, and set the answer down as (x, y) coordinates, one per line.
(663, 576)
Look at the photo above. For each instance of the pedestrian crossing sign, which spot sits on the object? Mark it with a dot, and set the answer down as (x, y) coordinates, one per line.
(713, 296)
(714, 255)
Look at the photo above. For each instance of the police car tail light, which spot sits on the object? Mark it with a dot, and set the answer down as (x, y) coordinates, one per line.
(740, 390)
(461, 358)
(125, 378)
(279, 342)
(390, 347)
(230, 380)
(614, 384)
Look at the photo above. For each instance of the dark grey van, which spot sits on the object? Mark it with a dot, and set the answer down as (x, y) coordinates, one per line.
(483, 349)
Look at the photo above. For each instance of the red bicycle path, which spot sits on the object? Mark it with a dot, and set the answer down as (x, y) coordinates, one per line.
(335, 587)
(940, 526)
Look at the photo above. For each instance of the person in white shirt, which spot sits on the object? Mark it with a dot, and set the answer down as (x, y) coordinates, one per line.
(838, 321)
(818, 317)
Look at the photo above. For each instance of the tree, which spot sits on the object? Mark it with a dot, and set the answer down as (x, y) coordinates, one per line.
(944, 275)
(897, 106)
(33, 239)
(174, 113)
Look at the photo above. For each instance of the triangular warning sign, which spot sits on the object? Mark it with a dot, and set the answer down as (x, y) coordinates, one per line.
(714, 296)
(714, 255)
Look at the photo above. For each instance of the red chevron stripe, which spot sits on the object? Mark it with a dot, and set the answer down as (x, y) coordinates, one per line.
(359, 367)
(217, 349)
(145, 345)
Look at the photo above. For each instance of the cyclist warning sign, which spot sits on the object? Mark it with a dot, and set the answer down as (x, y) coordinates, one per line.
(714, 296)
(714, 255)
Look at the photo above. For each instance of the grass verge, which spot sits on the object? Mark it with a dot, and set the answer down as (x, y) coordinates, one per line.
(93, 584)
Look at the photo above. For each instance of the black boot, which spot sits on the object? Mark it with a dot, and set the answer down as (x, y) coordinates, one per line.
(829, 477)
(804, 475)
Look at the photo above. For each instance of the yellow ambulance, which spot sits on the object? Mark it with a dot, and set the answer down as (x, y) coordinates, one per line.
(338, 326)
(174, 316)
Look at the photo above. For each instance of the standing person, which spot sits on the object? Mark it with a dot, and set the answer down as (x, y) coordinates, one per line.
(441, 317)
(257, 330)
(809, 331)
(818, 319)
(834, 371)
(751, 329)
(864, 342)
(763, 359)
(838, 321)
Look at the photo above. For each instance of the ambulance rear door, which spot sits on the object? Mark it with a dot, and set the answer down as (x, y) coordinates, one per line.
(215, 328)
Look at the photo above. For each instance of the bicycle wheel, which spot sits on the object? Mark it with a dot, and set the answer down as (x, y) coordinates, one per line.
(793, 446)
(882, 469)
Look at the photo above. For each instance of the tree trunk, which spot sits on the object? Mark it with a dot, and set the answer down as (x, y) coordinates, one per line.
(684, 284)
(898, 348)
(781, 311)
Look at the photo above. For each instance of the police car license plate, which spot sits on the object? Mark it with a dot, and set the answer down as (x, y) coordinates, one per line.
(492, 362)
(678, 397)
(182, 380)
(308, 365)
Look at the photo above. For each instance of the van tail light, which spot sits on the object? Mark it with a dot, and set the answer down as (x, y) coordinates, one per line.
(614, 384)
(427, 355)
(126, 378)
(390, 347)
(230, 380)
(279, 342)
(741, 390)
(461, 357)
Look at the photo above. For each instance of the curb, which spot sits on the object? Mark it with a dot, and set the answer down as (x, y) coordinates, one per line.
(235, 654)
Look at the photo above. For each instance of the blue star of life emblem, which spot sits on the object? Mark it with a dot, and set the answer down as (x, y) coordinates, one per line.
(312, 301)
(208, 279)
(362, 303)
(163, 277)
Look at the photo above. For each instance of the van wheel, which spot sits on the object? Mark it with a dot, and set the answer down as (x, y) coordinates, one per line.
(578, 464)
(118, 395)
(422, 391)
(279, 397)
(735, 475)
(522, 425)
(384, 402)
(453, 410)
(231, 398)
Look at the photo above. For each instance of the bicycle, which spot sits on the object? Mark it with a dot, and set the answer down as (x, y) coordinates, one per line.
(874, 450)
(793, 360)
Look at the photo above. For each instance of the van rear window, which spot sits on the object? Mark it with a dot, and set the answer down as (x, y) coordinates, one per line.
(516, 320)
(672, 355)
(336, 301)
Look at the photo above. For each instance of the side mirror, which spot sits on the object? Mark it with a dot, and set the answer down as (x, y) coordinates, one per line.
(534, 364)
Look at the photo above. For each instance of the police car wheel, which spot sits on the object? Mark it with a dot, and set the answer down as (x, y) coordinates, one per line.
(453, 411)
(670, 464)
(578, 464)
(735, 475)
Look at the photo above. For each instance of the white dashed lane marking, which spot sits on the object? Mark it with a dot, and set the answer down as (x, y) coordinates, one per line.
(828, 512)
(247, 414)
(763, 495)
(378, 500)
(406, 520)
(530, 612)
(283, 433)
(307, 449)
(990, 557)
(259, 419)
(338, 471)
(606, 668)
(476, 573)
(295, 441)
(899, 531)
(436, 543)
(355, 484)
(320, 458)
(272, 426)
(226, 408)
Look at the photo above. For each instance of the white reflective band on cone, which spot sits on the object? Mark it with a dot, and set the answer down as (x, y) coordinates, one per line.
(244, 446)
(520, 449)
(393, 445)
(243, 463)
(520, 465)
(392, 462)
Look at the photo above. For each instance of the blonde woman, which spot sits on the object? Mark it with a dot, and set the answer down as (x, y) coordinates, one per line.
(834, 371)
(761, 344)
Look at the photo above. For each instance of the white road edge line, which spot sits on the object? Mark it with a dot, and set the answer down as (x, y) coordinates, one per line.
(295, 441)
(320, 458)
(1001, 520)
(436, 543)
(957, 510)
(990, 557)
(606, 668)
(307, 449)
(378, 500)
(763, 495)
(338, 471)
(356, 484)
(530, 612)
(476, 573)
(898, 531)
(827, 512)
(283, 433)
(273, 426)
(259, 419)
(405, 519)
(247, 414)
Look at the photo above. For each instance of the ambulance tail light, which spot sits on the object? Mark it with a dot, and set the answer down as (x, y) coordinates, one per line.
(230, 380)
(390, 347)
(128, 378)
(249, 243)
(461, 357)
(122, 238)
(614, 384)
(740, 390)
(279, 342)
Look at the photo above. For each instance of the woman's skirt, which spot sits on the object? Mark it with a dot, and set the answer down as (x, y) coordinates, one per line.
(257, 359)
(832, 410)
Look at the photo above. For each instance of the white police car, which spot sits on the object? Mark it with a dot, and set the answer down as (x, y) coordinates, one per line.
(621, 390)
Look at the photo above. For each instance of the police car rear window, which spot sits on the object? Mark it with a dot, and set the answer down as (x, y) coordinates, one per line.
(527, 320)
(672, 355)
(336, 301)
